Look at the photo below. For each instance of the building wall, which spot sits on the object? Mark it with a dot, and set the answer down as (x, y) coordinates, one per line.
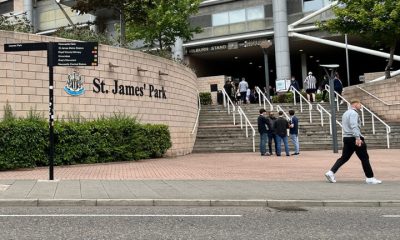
(204, 85)
(50, 16)
(385, 101)
(24, 83)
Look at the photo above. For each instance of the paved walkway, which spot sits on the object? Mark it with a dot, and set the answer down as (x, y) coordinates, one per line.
(210, 180)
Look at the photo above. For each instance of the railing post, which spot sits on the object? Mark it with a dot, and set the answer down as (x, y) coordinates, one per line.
(373, 125)
(387, 137)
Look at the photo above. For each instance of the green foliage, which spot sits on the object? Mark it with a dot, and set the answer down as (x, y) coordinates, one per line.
(15, 23)
(119, 138)
(84, 34)
(377, 21)
(205, 98)
(164, 21)
(8, 113)
(288, 97)
(23, 143)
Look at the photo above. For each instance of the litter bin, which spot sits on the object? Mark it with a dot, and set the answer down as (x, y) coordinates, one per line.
(220, 99)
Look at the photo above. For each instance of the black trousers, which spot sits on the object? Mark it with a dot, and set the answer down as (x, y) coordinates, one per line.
(349, 147)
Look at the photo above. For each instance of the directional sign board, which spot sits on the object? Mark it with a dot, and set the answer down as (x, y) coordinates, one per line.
(75, 54)
(59, 54)
(17, 47)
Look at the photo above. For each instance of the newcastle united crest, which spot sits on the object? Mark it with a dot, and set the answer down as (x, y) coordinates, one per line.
(74, 85)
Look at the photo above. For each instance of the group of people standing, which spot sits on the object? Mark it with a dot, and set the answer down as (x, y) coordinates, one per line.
(310, 86)
(240, 92)
(275, 129)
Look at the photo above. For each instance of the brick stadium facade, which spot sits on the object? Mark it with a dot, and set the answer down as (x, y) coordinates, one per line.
(150, 88)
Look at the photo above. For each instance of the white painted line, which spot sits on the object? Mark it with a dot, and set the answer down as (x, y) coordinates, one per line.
(113, 215)
(391, 216)
(3, 187)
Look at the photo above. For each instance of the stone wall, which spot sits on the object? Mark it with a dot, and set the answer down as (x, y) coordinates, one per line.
(382, 97)
(204, 85)
(149, 96)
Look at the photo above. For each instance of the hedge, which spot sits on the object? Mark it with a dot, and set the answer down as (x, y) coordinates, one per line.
(24, 142)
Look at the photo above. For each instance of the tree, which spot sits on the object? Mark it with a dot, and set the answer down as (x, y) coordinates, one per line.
(376, 20)
(17, 23)
(119, 8)
(163, 22)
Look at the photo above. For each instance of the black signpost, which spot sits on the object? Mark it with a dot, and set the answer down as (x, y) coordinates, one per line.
(59, 54)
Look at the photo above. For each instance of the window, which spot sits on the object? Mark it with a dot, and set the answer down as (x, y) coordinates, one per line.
(312, 5)
(220, 19)
(254, 13)
(236, 16)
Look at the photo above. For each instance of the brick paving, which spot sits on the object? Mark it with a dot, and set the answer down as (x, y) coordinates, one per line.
(308, 166)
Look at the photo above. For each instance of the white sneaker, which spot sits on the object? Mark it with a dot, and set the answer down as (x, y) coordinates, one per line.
(372, 181)
(330, 176)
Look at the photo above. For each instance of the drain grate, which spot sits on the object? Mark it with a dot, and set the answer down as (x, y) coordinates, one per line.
(289, 209)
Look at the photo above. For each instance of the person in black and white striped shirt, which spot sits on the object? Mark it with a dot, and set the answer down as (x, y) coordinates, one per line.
(310, 84)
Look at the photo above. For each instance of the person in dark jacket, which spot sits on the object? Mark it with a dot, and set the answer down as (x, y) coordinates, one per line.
(263, 126)
(294, 132)
(280, 126)
(271, 133)
(324, 82)
(296, 86)
(338, 85)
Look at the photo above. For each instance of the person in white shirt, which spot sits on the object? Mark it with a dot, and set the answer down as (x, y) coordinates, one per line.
(243, 86)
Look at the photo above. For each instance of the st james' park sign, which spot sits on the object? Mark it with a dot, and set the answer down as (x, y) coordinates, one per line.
(100, 86)
(75, 87)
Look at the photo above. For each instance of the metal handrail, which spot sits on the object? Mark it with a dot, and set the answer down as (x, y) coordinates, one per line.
(321, 109)
(373, 115)
(198, 112)
(279, 108)
(294, 91)
(271, 107)
(247, 123)
(228, 103)
(372, 95)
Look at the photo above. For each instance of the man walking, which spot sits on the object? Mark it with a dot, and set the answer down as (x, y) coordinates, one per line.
(353, 141)
(294, 132)
(243, 86)
(280, 126)
(263, 126)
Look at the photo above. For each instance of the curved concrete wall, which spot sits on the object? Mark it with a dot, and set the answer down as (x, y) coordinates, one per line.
(152, 98)
(382, 97)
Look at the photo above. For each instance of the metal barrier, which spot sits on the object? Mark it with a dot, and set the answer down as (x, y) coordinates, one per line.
(260, 93)
(321, 110)
(198, 112)
(294, 91)
(247, 124)
(228, 103)
(373, 115)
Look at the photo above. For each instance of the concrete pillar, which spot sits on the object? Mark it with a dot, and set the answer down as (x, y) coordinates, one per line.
(28, 8)
(281, 40)
(178, 49)
(303, 66)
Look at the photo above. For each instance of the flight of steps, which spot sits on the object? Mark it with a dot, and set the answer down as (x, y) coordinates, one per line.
(217, 133)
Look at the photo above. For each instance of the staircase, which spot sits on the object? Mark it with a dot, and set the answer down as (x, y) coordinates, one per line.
(216, 132)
